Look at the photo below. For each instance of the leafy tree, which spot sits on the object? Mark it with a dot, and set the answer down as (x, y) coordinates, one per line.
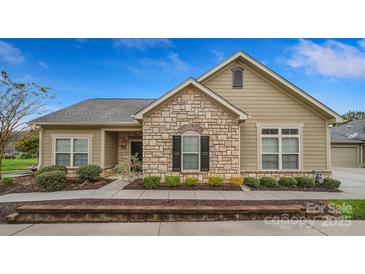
(353, 115)
(17, 102)
(28, 142)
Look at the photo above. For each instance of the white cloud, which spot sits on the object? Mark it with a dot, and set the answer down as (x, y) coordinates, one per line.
(10, 54)
(333, 59)
(142, 43)
(362, 43)
(171, 62)
(43, 64)
(219, 56)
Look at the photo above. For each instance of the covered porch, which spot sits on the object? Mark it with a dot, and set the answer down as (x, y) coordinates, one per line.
(118, 145)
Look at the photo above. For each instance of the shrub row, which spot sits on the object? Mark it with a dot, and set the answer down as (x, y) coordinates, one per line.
(53, 178)
(305, 182)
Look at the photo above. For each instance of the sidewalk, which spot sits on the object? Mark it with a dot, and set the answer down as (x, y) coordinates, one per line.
(229, 228)
(115, 190)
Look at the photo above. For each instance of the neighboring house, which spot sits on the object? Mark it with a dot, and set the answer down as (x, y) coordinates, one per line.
(348, 144)
(238, 118)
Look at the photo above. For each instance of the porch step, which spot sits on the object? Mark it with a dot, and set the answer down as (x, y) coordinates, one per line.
(58, 213)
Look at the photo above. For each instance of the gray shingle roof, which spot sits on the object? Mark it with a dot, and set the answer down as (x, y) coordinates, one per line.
(350, 132)
(100, 110)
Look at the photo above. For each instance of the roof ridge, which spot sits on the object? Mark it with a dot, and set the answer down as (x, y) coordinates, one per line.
(120, 99)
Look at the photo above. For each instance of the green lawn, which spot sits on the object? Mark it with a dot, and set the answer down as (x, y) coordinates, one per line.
(350, 209)
(15, 165)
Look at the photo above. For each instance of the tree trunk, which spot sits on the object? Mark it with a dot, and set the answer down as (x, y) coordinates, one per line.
(1, 159)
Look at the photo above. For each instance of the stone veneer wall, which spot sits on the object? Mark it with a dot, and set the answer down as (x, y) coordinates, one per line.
(279, 174)
(191, 107)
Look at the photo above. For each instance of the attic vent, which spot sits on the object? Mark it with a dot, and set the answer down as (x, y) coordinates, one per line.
(237, 77)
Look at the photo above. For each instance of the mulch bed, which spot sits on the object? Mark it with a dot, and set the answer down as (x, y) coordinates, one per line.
(9, 208)
(27, 184)
(137, 184)
(285, 188)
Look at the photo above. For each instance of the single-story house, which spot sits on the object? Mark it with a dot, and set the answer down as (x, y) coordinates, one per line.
(239, 118)
(348, 144)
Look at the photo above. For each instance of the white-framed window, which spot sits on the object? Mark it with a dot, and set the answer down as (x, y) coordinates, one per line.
(280, 148)
(190, 152)
(71, 152)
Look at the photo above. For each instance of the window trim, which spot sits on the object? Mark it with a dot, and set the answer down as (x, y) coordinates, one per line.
(190, 134)
(280, 136)
(72, 137)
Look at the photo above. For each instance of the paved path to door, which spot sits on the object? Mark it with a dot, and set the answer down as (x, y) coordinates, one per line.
(233, 228)
(115, 190)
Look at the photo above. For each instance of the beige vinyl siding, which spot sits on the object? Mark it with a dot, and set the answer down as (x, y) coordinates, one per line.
(47, 148)
(266, 103)
(110, 149)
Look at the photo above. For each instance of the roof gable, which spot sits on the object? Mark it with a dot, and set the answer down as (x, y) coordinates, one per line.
(205, 90)
(276, 80)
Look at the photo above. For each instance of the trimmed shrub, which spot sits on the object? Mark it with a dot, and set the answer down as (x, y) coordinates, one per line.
(51, 180)
(236, 180)
(8, 180)
(191, 181)
(251, 181)
(306, 182)
(215, 181)
(288, 181)
(330, 183)
(51, 168)
(151, 182)
(269, 182)
(89, 173)
(26, 156)
(172, 181)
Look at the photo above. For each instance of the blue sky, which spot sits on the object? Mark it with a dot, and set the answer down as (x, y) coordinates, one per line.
(331, 70)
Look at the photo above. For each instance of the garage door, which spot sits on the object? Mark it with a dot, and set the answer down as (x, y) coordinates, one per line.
(344, 157)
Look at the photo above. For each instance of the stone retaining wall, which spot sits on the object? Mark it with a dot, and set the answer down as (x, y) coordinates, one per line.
(279, 174)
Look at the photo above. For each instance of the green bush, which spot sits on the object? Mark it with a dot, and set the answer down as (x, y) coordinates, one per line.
(269, 182)
(330, 183)
(251, 181)
(306, 182)
(172, 181)
(51, 168)
(51, 180)
(26, 156)
(288, 181)
(191, 181)
(89, 173)
(8, 180)
(151, 182)
(215, 181)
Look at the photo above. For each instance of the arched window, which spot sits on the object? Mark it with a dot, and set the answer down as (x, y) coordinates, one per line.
(237, 77)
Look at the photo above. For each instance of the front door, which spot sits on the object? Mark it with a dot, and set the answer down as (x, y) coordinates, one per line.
(136, 149)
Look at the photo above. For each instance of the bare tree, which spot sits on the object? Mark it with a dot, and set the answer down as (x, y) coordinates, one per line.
(17, 101)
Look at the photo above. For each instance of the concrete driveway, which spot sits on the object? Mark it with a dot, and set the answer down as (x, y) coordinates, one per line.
(353, 179)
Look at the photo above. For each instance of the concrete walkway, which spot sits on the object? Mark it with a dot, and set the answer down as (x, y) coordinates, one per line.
(115, 190)
(234, 228)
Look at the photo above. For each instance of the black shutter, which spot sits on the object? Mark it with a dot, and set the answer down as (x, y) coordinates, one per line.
(204, 153)
(176, 153)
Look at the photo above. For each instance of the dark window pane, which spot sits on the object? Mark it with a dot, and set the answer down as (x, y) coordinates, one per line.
(190, 161)
(63, 159)
(270, 131)
(80, 159)
(290, 161)
(270, 161)
(290, 131)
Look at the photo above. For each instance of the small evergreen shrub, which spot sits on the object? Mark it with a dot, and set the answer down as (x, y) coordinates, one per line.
(26, 156)
(288, 181)
(8, 180)
(151, 182)
(269, 182)
(251, 181)
(172, 181)
(215, 181)
(51, 168)
(305, 181)
(51, 180)
(191, 181)
(89, 173)
(330, 183)
(236, 180)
